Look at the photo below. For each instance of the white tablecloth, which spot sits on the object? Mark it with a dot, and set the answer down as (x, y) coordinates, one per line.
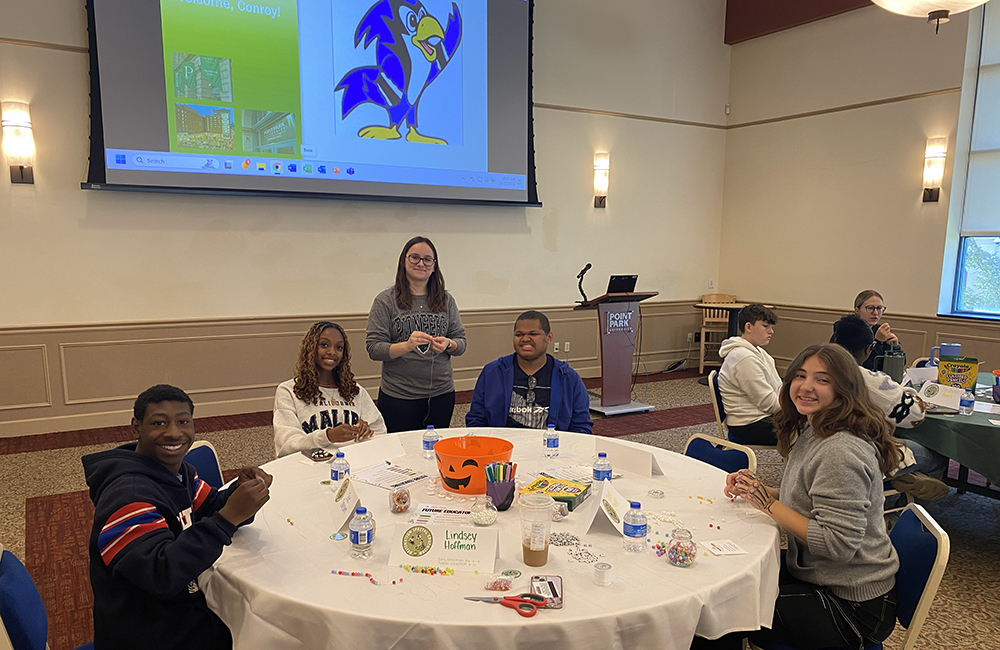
(274, 586)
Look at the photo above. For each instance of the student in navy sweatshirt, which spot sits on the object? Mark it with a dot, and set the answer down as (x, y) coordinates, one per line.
(157, 526)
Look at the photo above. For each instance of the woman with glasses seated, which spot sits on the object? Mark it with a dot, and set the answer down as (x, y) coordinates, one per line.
(869, 307)
(414, 329)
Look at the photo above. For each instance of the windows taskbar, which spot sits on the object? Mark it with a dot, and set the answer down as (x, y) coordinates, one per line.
(159, 161)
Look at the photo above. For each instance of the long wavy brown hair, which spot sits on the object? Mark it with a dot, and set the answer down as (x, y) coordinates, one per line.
(436, 300)
(306, 375)
(852, 409)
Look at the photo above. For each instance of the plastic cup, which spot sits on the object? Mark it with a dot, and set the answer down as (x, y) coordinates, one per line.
(536, 526)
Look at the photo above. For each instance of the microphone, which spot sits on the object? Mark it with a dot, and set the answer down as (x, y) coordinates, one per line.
(579, 276)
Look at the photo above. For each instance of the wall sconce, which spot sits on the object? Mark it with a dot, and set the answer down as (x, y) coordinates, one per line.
(602, 166)
(18, 142)
(934, 157)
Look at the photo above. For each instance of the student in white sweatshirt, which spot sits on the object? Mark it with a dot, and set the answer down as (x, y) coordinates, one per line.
(748, 380)
(322, 406)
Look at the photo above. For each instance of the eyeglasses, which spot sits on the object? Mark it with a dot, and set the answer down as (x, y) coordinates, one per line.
(415, 260)
(529, 397)
(871, 309)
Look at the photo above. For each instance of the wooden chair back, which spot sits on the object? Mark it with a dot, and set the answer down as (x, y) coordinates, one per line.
(716, 317)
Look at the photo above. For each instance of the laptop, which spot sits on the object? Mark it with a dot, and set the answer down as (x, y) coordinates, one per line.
(622, 283)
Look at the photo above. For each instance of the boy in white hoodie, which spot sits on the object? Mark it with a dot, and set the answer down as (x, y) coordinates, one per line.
(748, 380)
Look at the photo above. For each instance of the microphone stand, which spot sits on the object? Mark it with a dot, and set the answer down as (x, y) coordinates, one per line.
(580, 286)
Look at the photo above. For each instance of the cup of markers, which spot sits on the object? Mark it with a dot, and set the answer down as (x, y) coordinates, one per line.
(500, 484)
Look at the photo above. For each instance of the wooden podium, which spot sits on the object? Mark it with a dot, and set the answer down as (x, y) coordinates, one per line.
(618, 314)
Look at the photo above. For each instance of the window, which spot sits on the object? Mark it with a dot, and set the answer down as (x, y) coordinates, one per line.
(973, 288)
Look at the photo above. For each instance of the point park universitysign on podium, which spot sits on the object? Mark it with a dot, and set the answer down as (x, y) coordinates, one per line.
(619, 315)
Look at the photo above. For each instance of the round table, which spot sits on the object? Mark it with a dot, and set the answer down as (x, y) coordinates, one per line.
(274, 587)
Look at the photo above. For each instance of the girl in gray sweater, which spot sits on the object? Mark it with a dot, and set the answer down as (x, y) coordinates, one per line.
(837, 585)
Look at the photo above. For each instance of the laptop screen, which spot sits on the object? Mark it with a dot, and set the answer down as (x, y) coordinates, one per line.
(622, 283)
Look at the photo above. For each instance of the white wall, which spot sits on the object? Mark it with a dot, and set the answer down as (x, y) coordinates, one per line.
(68, 255)
(818, 208)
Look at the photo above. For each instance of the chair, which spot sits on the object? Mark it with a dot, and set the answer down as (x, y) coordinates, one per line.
(923, 548)
(727, 456)
(713, 321)
(920, 362)
(206, 462)
(720, 418)
(23, 623)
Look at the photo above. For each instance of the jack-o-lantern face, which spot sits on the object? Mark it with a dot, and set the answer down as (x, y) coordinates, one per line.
(452, 480)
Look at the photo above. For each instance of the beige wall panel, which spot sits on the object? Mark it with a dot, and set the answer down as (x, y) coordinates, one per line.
(62, 22)
(856, 57)
(24, 379)
(633, 57)
(233, 366)
(820, 208)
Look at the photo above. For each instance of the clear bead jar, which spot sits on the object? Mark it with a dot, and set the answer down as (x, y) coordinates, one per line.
(682, 551)
(484, 513)
(399, 499)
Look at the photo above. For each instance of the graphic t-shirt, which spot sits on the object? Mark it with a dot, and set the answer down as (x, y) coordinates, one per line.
(529, 401)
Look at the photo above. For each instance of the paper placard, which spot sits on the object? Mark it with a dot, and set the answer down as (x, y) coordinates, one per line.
(627, 458)
(724, 547)
(462, 548)
(376, 449)
(920, 376)
(612, 504)
(426, 514)
(986, 407)
(947, 396)
(345, 500)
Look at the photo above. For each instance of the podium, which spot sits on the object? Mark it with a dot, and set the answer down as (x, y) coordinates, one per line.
(618, 314)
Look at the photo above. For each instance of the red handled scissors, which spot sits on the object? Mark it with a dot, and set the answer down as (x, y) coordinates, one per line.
(523, 604)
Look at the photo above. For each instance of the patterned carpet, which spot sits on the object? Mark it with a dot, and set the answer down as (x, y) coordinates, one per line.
(45, 514)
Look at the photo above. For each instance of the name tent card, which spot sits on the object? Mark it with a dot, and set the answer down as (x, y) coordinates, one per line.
(612, 504)
(462, 548)
(947, 396)
(627, 458)
(345, 500)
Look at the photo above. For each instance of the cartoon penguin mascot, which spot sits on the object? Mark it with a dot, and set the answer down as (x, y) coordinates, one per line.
(412, 51)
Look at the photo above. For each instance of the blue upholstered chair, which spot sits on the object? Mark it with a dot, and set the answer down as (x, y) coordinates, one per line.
(720, 420)
(923, 548)
(205, 460)
(721, 453)
(23, 623)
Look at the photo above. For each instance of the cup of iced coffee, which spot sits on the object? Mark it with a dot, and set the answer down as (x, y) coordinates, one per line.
(536, 526)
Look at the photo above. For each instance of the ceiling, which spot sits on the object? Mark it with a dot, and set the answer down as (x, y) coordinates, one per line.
(746, 19)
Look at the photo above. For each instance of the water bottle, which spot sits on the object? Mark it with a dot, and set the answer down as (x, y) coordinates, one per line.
(967, 403)
(602, 468)
(362, 534)
(635, 529)
(551, 439)
(430, 437)
(339, 469)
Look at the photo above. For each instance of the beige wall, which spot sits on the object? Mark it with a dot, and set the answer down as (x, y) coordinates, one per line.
(60, 378)
(72, 256)
(103, 293)
(819, 207)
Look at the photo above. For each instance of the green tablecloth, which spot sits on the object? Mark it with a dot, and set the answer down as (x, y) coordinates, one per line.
(969, 439)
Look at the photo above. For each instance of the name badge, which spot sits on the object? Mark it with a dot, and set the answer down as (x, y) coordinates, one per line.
(446, 547)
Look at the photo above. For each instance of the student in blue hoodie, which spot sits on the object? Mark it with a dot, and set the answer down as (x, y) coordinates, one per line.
(530, 388)
(157, 526)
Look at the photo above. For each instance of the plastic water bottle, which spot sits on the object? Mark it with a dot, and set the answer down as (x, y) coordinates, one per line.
(551, 439)
(967, 403)
(339, 469)
(635, 529)
(362, 534)
(430, 437)
(602, 468)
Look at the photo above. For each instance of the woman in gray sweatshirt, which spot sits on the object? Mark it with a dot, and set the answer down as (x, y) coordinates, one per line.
(414, 329)
(837, 585)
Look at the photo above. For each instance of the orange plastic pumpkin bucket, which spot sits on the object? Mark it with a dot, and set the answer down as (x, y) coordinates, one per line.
(461, 461)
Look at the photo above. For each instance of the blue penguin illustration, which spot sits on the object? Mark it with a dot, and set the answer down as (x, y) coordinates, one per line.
(412, 51)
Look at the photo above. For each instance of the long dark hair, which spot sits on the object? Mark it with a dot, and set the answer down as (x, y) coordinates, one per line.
(852, 409)
(436, 300)
(306, 376)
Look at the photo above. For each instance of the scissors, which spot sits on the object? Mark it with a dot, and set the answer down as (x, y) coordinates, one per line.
(523, 604)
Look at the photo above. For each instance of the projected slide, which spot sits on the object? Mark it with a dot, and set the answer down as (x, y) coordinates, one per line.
(409, 98)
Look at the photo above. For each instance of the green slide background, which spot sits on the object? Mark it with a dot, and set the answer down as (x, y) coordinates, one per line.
(264, 53)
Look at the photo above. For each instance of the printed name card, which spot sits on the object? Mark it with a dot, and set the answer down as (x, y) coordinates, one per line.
(612, 504)
(447, 547)
(627, 458)
(947, 396)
